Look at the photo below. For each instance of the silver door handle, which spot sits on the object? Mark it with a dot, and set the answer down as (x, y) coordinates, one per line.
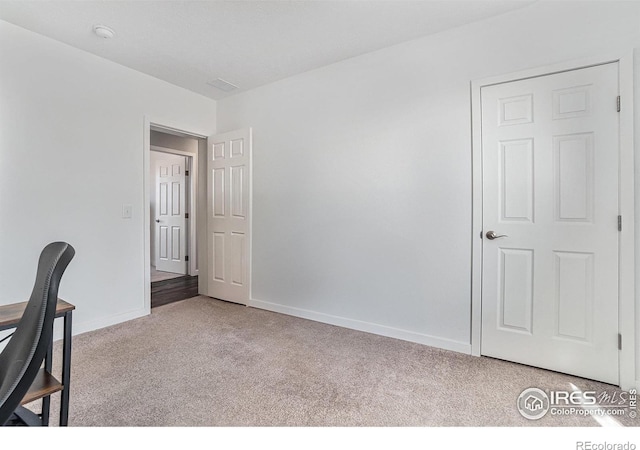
(491, 235)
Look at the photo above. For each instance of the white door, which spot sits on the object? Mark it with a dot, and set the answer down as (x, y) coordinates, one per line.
(228, 215)
(170, 210)
(550, 186)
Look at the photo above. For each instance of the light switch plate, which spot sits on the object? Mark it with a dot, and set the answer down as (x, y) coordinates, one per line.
(127, 211)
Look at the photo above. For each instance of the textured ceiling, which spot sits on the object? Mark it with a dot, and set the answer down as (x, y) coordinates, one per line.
(247, 43)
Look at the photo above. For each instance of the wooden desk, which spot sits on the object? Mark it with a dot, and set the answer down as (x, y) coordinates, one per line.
(46, 384)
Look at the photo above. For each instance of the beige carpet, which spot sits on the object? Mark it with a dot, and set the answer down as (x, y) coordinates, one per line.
(203, 362)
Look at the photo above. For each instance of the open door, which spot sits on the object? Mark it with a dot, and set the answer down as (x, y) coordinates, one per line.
(229, 216)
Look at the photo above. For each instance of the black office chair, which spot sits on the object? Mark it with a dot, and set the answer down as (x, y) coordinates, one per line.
(21, 359)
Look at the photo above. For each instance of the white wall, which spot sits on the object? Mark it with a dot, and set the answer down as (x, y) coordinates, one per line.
(71, 154)
(362, 169)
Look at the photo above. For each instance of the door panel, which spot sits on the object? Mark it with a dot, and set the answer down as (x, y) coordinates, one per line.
(516, 171)
(228, 215)
(573, 157)
(550, 185)
(574, 294)
(516, 290)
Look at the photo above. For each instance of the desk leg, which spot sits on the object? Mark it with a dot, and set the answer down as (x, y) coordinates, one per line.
(66, 371)
(46, 401)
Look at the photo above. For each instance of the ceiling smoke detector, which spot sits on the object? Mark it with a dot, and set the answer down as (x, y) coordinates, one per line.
(103, 31)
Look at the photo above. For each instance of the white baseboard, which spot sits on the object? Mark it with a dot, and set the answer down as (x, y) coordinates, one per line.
(95, 324)
(382, 330)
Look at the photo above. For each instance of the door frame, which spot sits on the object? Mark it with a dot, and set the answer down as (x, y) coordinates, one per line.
(179, 130)
(626, 241)
(192, 210)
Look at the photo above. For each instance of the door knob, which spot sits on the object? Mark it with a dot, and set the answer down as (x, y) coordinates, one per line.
(157, 220)
(491, 235)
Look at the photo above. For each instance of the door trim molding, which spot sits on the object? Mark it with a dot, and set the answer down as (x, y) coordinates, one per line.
(626, 273)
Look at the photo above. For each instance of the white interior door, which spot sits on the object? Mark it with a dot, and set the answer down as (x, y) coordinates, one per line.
(550, 185)
(228, 215)
(170, 209)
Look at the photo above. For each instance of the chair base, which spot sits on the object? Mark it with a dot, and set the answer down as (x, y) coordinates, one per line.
(22, 417)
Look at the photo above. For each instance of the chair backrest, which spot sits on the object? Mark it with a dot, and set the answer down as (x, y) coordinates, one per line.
(22, 357)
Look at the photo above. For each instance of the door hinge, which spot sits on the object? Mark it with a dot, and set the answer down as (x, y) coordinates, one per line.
(186, 215)
(186, 258)
(186, 173)
(619, 341)
(618, 103)
(619, 223)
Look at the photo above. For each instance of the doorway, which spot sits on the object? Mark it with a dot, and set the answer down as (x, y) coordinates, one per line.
(172, 185)
(551, 191)
(220, 217)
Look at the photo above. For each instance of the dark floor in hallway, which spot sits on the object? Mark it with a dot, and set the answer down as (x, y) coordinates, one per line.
(173, 290)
